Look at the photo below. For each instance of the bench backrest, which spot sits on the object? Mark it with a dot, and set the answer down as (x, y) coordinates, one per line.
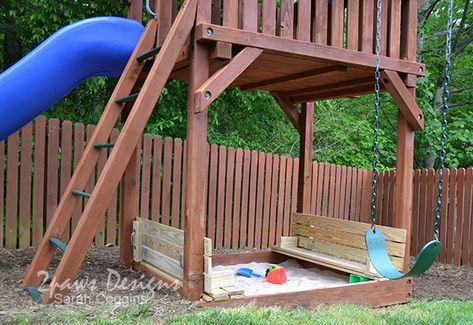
(344, 239)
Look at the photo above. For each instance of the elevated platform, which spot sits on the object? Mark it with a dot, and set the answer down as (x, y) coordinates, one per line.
(301, 70)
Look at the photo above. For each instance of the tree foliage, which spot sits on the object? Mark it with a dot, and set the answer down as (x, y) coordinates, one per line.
(343, 128)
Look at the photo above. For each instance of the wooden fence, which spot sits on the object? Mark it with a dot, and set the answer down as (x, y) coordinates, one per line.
(250, 194)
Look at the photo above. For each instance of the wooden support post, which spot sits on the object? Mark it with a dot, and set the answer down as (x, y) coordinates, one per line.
(130, 183)
(405, 141)
(305, 157)
(197, 161)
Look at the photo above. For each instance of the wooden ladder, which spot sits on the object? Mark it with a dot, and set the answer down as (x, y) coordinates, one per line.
(144, 101)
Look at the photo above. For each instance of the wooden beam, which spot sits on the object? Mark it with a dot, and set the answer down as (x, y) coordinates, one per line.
(348, 92)
(289, 109)
(305, 157)
(310, 51)
(221, 51)
(196, 167)
(403, 99)
(222, 79)
(294, 77)
(332, 86)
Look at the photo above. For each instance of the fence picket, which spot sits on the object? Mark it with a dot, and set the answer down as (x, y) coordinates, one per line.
(25, 186)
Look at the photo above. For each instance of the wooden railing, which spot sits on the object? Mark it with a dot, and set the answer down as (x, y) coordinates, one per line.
(251, 194)
(338, 23)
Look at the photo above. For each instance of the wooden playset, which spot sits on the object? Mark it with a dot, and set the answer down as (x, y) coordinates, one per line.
(300, 52)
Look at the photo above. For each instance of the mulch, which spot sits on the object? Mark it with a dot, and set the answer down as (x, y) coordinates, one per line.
(101, 265)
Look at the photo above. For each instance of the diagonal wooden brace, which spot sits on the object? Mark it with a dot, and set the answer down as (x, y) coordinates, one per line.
(223, 78)
(403, 99)
(289, 109)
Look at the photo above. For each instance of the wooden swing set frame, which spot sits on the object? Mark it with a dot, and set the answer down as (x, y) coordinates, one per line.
(300, 53)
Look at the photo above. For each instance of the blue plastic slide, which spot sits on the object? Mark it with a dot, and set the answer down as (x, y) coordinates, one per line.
(92, 47)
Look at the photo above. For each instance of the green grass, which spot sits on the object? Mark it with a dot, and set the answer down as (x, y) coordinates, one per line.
(417, 312)
(440, 312)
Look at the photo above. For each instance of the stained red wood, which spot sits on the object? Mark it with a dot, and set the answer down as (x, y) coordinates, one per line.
(89, 187)
(392, 183)
(230, 13)
(269, 17)
(237, 199)
(379, 198)
(353, 16)
(197, 160)
(314, 193)
(212, 207)
(79, 136)
(111, 237)
(346, 207)
(394, 46)
(444, 219)
(252, 199)
(331, 198)
(259, 200)
(52, 169)
(274, 201)
(415, 211)
(366, 196)
(281, 196)
(460, 217)
(338, 192)
(320, 22)
(100, 237)
(336, 23)
(12, 191)
(343, 193)
(287, 19)
(287, 196)
(422, 208)
(216, 11)
(451, 215)
(355, 198)
(66, 162)
(146, 177)
(320, 186)
(25, 186)
(295, 188)
(165, 16)
(176, 183)
(184, 181)
(222, 164)
(250, 15)
(467, 255)
(304, 16)
(326, 178)
(430, 205)
(167, 171)
(229, 190)
(243, 233)
(305, 157)
(38, 179)
(365, 39)
(267, 199)
(157, 171)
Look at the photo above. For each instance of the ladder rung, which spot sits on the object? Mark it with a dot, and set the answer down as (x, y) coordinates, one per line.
(34, 294)
(149, 54)
(80, 193)
(127, 99)
(104, 145)
(58, 243)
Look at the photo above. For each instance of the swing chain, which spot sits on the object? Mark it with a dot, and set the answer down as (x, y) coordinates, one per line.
(150, 11)
(445, 108)
(377, 90)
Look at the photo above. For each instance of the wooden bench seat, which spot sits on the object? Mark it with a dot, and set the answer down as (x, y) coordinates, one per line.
(338, 244)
